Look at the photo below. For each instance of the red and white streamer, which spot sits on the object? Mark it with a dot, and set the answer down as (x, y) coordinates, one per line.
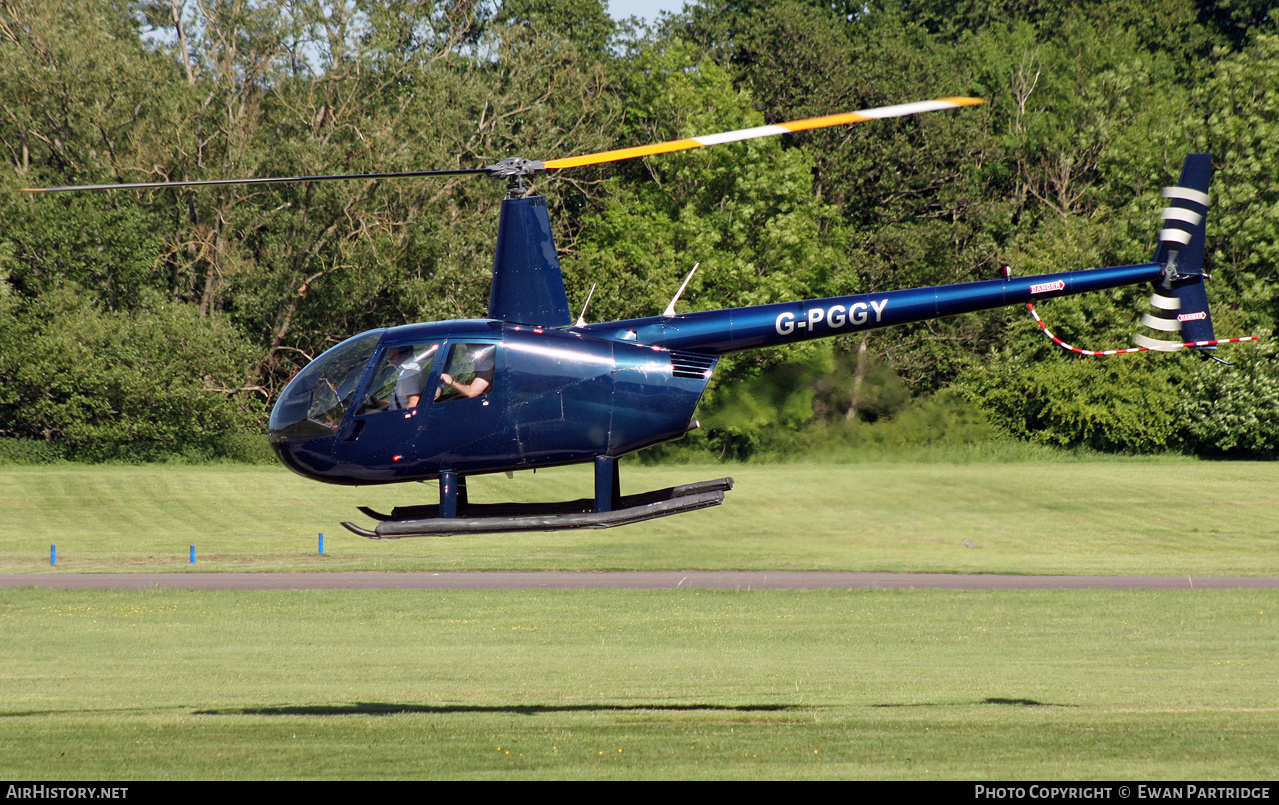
(1171, 346)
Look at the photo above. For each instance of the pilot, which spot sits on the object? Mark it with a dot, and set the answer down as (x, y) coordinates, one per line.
(482, 360)
(410, 381)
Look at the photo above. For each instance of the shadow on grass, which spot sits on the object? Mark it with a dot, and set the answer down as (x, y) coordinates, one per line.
(389, 709)
(385, 709)
(990, 700)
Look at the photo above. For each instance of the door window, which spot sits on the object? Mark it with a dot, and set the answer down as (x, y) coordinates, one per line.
(468, 373)
(399, 380)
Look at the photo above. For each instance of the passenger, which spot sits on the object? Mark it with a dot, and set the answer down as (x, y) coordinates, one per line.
(482, 360)
(473, 389)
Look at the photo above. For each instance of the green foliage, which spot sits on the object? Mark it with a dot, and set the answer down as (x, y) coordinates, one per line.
(231, 90)
(31, 451)
(1234, 411)
(746, 212)
(1172, 26)
(81, 92)
(1242, 104)
(857, 386)
(764, 411)
(91, 379)
(1091, 107)
(584, 22)
(929, 424)
(107, 249)
(1111, 405)
(1238, 21)
(841, 407)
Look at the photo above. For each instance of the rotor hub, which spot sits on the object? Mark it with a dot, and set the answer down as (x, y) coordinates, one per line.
(515, 170)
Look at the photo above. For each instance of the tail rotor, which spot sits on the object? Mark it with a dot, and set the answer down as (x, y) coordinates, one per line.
(1179, 317)
(1180, 299)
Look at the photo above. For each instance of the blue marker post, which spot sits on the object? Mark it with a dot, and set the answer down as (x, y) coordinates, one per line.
(193, 554)
(321, 543)
(53, 554)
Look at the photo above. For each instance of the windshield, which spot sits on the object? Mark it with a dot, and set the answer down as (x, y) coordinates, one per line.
(315, 401)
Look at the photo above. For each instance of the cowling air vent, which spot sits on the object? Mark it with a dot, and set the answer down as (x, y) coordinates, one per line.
(693, 365)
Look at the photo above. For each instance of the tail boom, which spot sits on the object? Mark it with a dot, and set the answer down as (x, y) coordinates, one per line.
(736, 329)
(1176, 275)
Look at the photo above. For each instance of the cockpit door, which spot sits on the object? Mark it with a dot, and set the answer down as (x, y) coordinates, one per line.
(467, 424)
(380, 440)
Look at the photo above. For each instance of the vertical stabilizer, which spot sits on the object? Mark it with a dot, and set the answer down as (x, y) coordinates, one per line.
(528, 287)
(1180, 300)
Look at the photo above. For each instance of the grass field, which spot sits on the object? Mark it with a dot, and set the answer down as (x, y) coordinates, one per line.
(1133, 516)
(657, 685)
(879, 684)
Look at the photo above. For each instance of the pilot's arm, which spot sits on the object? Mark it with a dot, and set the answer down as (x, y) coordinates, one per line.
(473, 389)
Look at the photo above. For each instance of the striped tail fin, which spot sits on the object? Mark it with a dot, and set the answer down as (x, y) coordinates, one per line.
(1180, 300)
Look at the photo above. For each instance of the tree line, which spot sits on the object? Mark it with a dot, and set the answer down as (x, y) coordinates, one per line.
(166, 319)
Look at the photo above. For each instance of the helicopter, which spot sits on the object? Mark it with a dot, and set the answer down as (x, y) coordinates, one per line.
(529, 387)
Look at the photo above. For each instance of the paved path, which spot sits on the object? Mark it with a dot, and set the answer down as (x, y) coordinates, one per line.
(632, 580)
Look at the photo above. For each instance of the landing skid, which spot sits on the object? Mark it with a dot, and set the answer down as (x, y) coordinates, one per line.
(493, 518)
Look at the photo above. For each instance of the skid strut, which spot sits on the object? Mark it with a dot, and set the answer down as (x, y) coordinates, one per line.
(606, 510)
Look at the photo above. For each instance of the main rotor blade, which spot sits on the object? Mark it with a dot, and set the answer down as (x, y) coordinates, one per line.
(901, 110)
(526, 167)
(268, 180)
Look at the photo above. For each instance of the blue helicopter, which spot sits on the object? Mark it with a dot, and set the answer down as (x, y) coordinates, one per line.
(526, 387)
